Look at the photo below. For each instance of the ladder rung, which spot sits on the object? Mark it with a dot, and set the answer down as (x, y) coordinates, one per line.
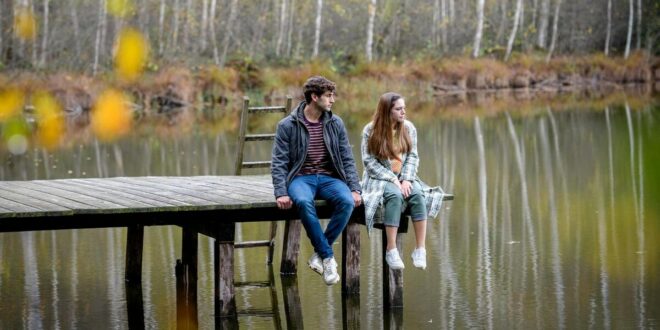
(267, 109)
(256, 313)
(254, 284)
(259, 137)
(256, 164)
(248, 244)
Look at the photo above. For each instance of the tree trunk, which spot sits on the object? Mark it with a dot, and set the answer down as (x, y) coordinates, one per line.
(480, 27)
(175, 27)
(204, 27)
(555, 24)
(161, 23)
(99, 36)
(228, 33)
(370, 29)
(317, 27)
(503, 19)
(289, 35)
(639, 24)
(630, 28)
(543, 23)
(186, 25)
(282, 28)
(445, 19)
(514, 30)
(44, 38)
(257, 37)
(214, 40)
(76, 27)
(435, 23)
(608, 32)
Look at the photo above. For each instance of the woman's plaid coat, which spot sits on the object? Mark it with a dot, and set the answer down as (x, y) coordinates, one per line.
(377, 173)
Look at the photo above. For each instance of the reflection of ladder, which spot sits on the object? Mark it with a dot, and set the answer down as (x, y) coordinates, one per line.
(240, 164)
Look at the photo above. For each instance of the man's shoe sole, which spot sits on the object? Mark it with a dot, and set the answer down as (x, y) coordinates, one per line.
(318, 271)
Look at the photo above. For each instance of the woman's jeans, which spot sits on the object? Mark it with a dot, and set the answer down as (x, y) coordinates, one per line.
(303, 190)
(393, 201)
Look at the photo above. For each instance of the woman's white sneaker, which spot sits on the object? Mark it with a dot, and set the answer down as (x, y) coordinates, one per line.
(393, 259)
(419, 258)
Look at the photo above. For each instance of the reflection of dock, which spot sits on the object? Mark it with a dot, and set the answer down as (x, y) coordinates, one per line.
(209, 205)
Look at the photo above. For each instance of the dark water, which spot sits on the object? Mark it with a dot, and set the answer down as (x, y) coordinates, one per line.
(555, 225)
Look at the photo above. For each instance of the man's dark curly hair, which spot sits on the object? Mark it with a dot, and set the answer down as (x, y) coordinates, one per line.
(317, 85)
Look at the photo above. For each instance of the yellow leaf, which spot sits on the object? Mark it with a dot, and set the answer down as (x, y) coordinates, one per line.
(49, 120)
(25, 25)
(11, 102)
(120, 8)
(131, 54)
(111, 116)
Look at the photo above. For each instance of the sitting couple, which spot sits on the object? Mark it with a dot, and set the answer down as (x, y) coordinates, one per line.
(312, 159)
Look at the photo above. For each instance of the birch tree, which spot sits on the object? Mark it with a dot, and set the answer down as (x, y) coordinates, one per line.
(187, 24)
(543, 23)
(76, 27)
(317, 28)
(630, 28)
(370, 30)
(555, 23)
(161, 25)
(639, 24)
(175, 26)
(289, 34)
(480, 27)
(436, 23)
(514, 30)
(609, 28)
(203, 27)
(228, 33)
(44, 38)
(214, 40)
(100, 27)
(282, 27)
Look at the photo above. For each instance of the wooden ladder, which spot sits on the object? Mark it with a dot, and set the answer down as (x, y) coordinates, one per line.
(243, 137)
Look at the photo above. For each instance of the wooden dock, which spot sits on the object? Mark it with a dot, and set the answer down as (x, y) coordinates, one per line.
(209, 205)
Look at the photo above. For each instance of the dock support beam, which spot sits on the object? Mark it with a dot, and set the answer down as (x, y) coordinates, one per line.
(290, 247)
(225, 299)
(350, 268)
(134, 243)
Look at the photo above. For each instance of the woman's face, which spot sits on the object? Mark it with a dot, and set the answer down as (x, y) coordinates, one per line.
(398, 112)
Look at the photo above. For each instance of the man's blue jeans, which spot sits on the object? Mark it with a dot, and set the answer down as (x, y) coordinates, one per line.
(303, 190)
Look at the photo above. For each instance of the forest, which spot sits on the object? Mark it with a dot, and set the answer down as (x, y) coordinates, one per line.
(78, 35)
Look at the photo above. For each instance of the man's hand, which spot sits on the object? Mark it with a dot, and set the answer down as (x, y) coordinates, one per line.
(284, 202)
(357, 199)
(406, 188)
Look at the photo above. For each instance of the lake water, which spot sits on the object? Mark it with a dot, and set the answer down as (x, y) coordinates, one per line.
(555, 225)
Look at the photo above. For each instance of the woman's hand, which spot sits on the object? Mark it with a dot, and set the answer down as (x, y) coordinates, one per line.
(406, 188)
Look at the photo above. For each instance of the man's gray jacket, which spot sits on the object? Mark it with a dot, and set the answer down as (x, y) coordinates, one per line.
(292, 141)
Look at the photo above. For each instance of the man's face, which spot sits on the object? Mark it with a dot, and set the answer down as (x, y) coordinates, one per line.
(325, 101)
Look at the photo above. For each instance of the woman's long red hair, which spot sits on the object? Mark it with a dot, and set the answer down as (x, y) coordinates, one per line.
(380, 143)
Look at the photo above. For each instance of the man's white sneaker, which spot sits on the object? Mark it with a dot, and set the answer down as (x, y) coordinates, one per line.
(419, 258)
(393, 259)
(315, 263)
(330, 275)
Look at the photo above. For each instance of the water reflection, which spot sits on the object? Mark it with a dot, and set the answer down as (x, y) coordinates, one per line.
(550, 229)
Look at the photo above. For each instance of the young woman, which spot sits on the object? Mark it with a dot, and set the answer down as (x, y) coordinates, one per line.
(389, 155)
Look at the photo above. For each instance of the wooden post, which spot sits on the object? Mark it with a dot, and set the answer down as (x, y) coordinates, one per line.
(350, 268)
(350, 310)
(225, 300)
(134, 305)
(186, 280)
(392, 279)
(292, 307)
(134, 242)
(291, 247)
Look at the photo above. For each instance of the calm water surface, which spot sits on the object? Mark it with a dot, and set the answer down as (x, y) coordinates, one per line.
(555, 225)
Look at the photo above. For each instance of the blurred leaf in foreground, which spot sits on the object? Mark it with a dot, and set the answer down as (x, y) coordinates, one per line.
(120, 8)
(15, 132)
(111, 115)
(49, 120)
(131, 54)
(11, 102)
(25, 25)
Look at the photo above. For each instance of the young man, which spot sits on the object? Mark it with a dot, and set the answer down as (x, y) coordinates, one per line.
(313, 159)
